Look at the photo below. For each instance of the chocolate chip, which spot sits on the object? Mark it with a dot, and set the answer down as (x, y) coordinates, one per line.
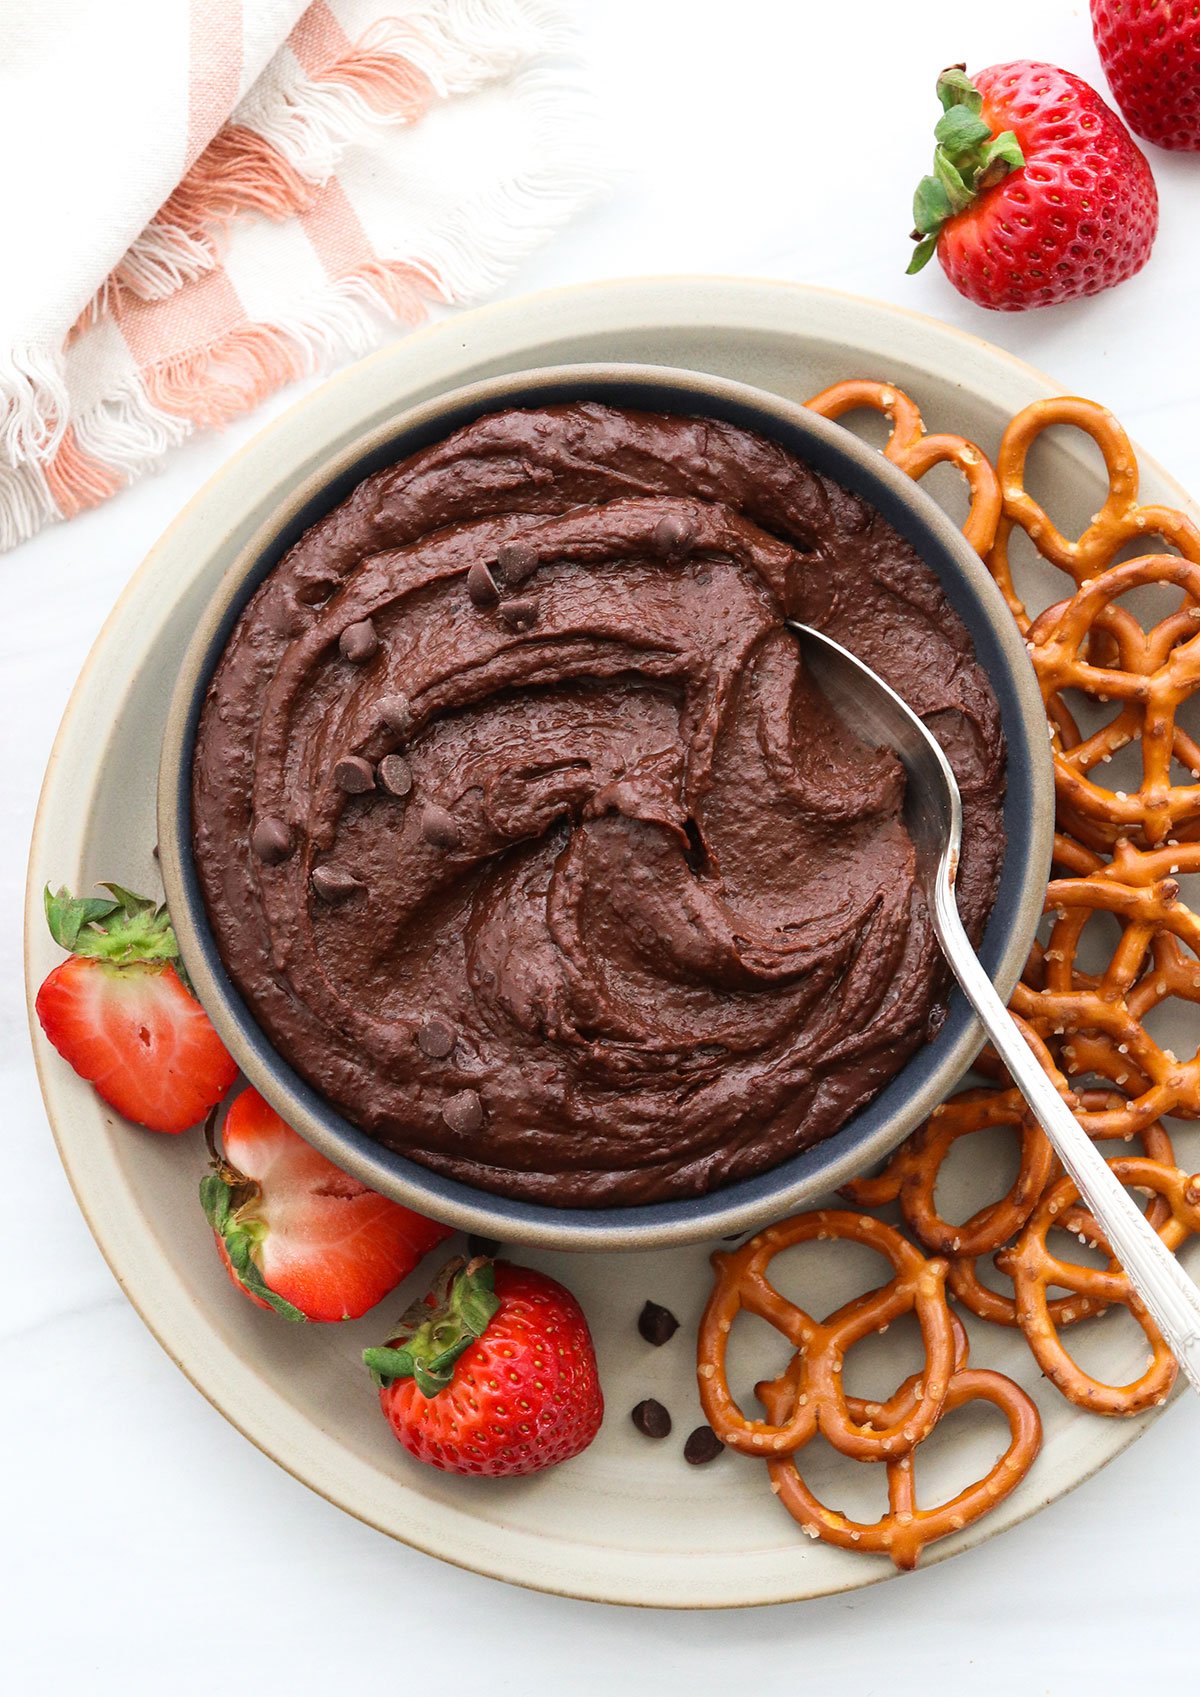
(334, 884)
(359, 642)
(517, 561)
(354, 775)
(486, 1246)
(395, 774)
(436, 1037)
(674, 537)
(702, 1445)
(520, 614)
(395, 711)
(439, 827)
(481, 586)
(657, 1324)
(271, 841)
(464, 1113)
(652, 1418)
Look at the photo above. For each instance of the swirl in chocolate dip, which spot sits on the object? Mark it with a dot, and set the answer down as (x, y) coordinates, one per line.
(528, 840)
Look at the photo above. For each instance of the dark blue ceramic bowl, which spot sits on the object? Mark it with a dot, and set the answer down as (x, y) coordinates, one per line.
(927, 1078)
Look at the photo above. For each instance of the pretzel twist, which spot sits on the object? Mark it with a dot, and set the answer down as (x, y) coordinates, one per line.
(1101, 1017)
(1154, 674)
(906, 1529)
(820, 1402)
(909, 448)
(1033, 1266)
(911, 1176)
(1120, 520)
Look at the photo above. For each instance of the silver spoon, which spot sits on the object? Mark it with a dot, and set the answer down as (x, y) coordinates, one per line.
(933, 814)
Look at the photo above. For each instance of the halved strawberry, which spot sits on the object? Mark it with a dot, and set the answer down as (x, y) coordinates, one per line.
(119, 1013)
(295, 1232)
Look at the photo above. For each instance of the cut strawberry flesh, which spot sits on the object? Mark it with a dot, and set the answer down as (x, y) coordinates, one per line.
(136, 1034)
(327, 1243)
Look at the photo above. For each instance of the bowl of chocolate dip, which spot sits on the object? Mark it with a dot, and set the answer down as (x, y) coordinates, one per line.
(515, 856)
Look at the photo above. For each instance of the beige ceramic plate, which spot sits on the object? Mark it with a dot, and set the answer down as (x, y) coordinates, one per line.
(629, 1521)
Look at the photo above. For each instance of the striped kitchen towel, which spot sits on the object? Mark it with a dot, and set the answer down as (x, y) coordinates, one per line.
(207, 198)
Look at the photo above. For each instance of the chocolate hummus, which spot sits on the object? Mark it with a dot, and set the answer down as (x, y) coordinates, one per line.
(529, 842)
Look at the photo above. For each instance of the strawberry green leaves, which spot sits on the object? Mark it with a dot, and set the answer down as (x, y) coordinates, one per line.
(228, 1198)
(121, 928)
(968, 160)
(437, 1329)
(222, 1201)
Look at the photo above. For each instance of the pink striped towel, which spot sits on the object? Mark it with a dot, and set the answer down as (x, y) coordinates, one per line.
(256, 189)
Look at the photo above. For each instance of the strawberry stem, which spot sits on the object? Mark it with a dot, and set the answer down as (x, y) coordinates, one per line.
(225, 1194)
(967, 161)
(436, 1330)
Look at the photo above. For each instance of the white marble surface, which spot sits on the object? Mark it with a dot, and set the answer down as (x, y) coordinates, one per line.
(146, 1547)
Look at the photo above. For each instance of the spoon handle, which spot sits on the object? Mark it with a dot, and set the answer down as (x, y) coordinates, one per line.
(1171, 1297)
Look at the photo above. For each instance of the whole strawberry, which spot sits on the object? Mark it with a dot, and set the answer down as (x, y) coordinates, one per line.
(120, 1013)
(1039, 194)
(1150, 50)
(296, 1233)
(492, 1373)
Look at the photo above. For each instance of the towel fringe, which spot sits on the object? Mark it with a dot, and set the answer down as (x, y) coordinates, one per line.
(33, 403)
(25, 503)
(486, 236)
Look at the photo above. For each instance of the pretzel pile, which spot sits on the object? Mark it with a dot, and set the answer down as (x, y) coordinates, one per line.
(1118, 856)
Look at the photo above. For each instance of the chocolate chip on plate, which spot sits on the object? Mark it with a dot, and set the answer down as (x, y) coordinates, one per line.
(674, 537)
(436, 1037)
(657, 1324)
(395, 774)
(359, 642)
(354, 775)
(439, 827)
(651, 1418)
(702, 1445)
(486, 1246)
(517, 561)
(464, 1112)
(271, 841)
(521, 613)
(334, 884)
(481, 586)
(395, 711)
